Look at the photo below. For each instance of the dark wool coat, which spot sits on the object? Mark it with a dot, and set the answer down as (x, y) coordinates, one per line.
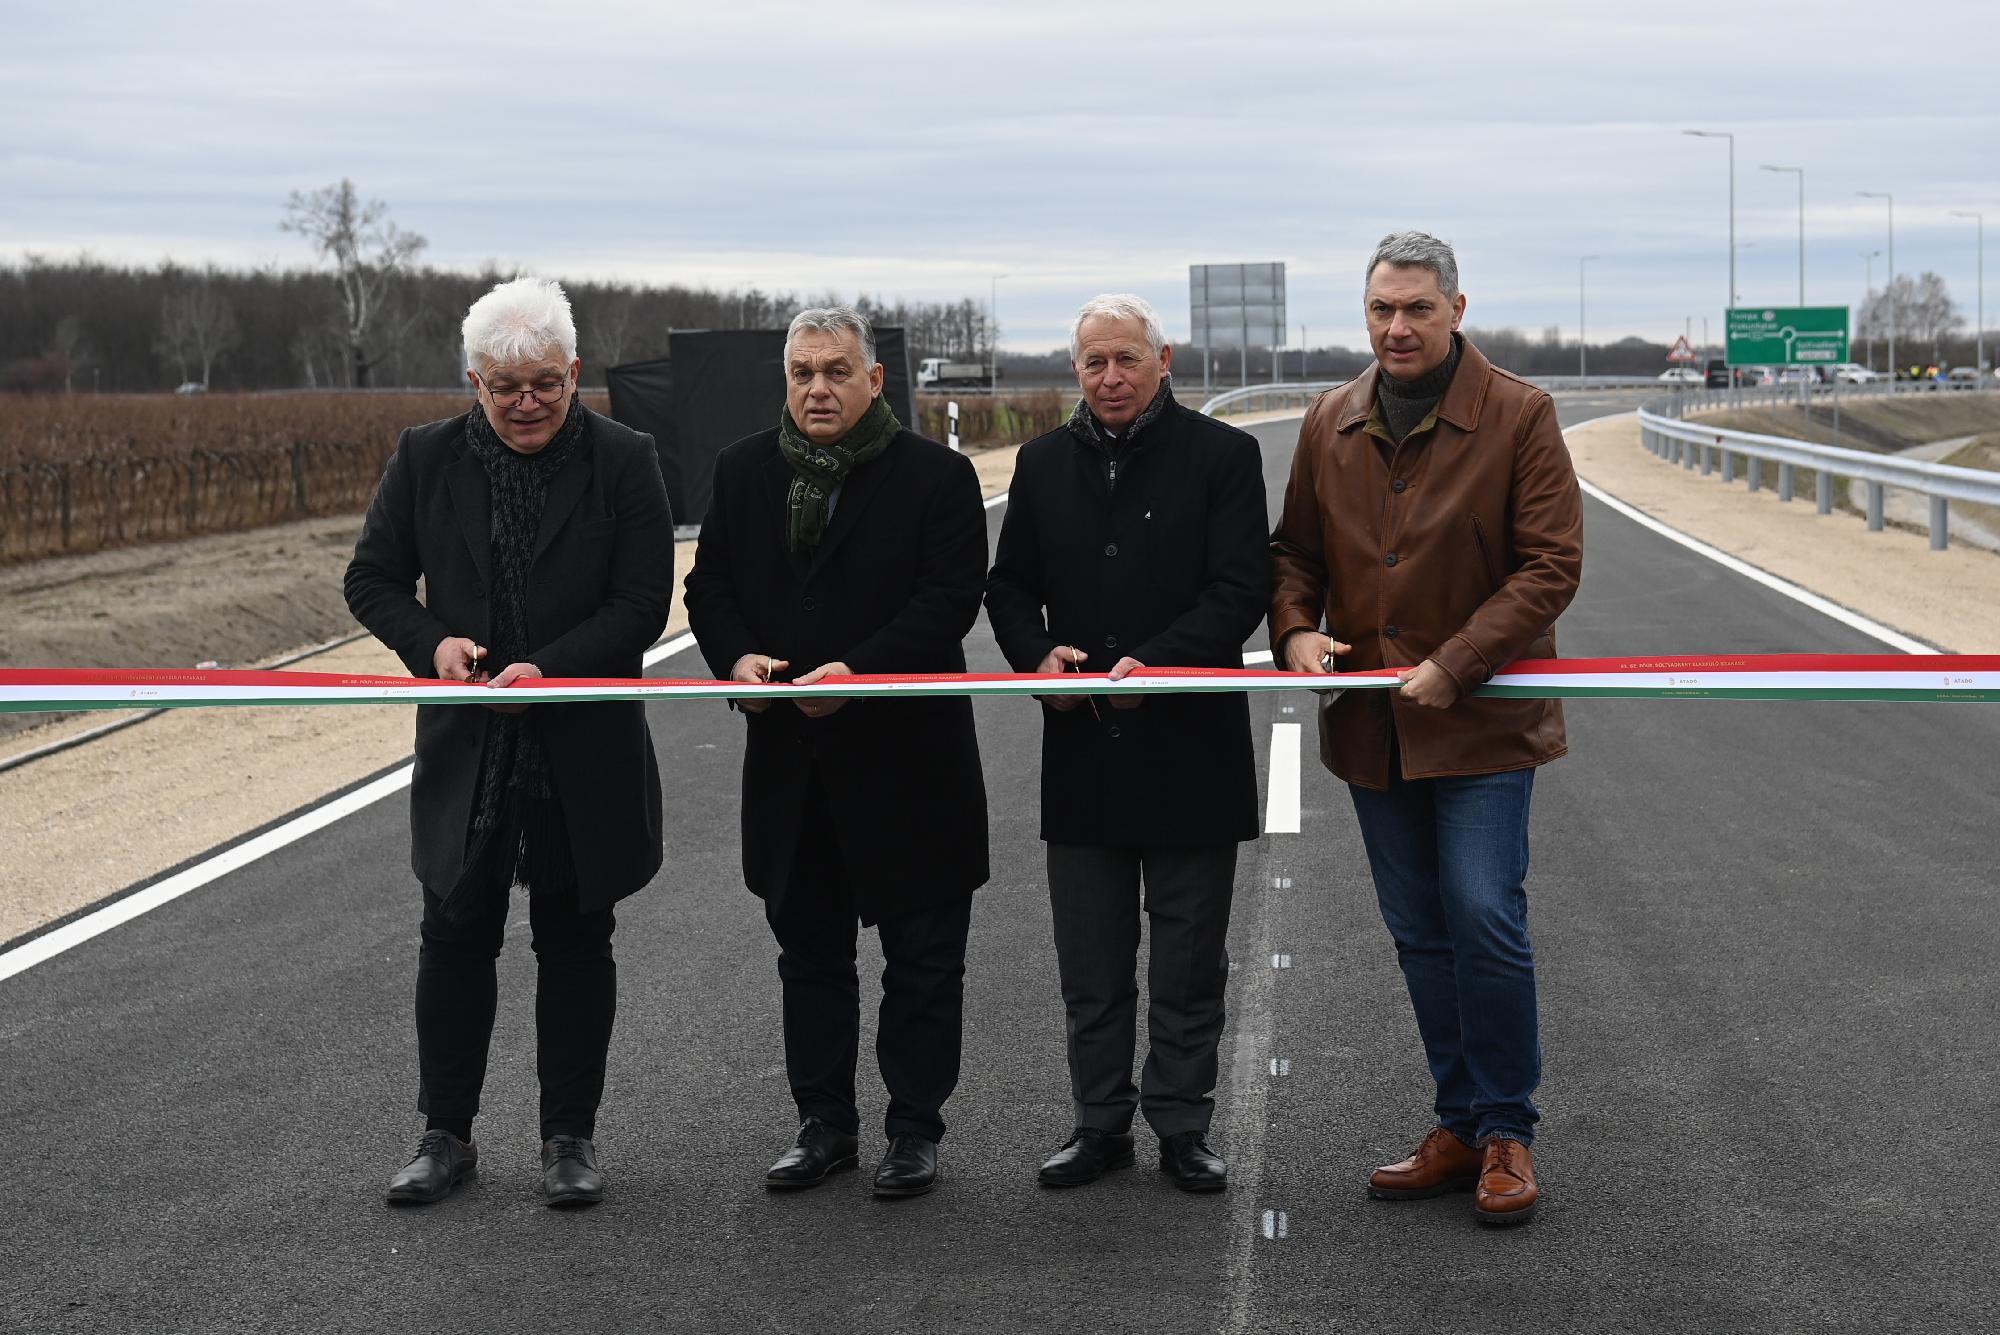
(893, 587)
(1171, 567)
(598, 595)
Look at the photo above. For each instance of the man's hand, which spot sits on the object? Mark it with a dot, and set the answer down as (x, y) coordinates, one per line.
(457, 659)
(510, 674)
(1120, 670)
(755, 667)
(819, 706)
(1054, 663)
(1310, 651)
(1429, 685)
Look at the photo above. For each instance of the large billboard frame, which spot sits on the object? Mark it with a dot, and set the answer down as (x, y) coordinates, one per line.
(1245, 303)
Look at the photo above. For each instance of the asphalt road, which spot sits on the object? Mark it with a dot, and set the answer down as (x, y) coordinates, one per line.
(1767, 942)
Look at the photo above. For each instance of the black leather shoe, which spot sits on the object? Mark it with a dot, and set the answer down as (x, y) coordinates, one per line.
(1187, 1159)
(1086, 1156)
(818, 1151)
(909, 1168)
(442, 1162)
(569, 1171)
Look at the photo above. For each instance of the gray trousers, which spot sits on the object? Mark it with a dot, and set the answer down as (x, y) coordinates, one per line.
(1095, 894)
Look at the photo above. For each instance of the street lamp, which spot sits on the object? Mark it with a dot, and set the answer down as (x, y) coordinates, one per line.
(1869, 256)
(1801, 171)
(1725, 134)
(1889, 287)
(1582, 340)
(993, 335)
(1979, 334)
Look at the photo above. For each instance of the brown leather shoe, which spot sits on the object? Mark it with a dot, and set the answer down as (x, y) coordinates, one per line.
(1507, 1191)
(1442, 1163)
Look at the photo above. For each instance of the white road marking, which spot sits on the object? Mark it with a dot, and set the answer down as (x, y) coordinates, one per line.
(1281, 961)
(1895, 639)
(1281, 882)
(994, 502)
(1281, 796)
(1257, 656)
(1281, 1066)
(1277, 1224)
(70, 935)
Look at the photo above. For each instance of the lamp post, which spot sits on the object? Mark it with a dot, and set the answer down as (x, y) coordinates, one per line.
(1979, 333)
(1582, 338)
(993, 334)
(1869, 256)
(1889, 286)
(1801, 173)
(1725, 134)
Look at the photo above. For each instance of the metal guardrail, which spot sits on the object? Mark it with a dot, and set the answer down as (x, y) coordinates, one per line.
(1256, 398)
(1692, 444)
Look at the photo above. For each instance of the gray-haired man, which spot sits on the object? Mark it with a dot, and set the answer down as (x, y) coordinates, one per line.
(839, 542)
(1136, 537)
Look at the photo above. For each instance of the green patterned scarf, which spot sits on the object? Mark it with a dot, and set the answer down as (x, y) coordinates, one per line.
(818, 469)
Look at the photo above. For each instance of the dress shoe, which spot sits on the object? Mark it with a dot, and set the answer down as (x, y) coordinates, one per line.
(1086, 1156)
(442, 1161)
(569, 1171)
(1507, 1192)
(1187, 1159)
(1442, 1163)
(818, 1151)
(909, 1168)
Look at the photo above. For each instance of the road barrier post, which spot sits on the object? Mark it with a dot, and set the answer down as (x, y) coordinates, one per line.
(1825, 492)
(1874, 507)
(1940, 522)
(1784, 482)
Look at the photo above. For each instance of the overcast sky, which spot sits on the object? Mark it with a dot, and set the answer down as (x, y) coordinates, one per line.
(919, 149)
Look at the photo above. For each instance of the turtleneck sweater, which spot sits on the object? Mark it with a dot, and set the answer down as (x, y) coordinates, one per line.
(1406, 403)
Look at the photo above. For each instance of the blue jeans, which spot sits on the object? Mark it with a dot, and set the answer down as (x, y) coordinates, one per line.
(1450, 856)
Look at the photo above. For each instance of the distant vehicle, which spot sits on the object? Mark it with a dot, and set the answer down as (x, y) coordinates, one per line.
(1854, 373)
(192, 387)
(1962, 377)
(1680, 375)
(941, 373)
(1799, 375)
(1716, 376)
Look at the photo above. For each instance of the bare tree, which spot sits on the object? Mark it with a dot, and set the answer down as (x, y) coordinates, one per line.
(610, 326)
(367, 251)
(1920, 311)
(67, 344)
(197, 326)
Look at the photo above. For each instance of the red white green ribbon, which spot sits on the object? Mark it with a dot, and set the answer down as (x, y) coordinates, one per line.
(1974, 677)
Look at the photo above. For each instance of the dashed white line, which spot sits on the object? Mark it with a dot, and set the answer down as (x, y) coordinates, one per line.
(1277, 1224)
(1281, 797)
(1281, 882)
(1281, 961)
(1281, 1066)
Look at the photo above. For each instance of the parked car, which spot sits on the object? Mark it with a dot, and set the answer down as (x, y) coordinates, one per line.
(1962, 377)
(1716, 376)
(1854, 373)
(1681, 375)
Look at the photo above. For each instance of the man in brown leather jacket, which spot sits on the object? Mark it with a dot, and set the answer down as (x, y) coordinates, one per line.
(1433, 524)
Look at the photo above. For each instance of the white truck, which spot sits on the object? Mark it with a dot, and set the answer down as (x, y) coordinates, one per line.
(942, 373)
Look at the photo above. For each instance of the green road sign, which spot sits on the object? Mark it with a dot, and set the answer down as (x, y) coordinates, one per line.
(1787, 335)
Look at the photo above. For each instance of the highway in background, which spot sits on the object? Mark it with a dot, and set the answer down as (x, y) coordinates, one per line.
(1767, 941)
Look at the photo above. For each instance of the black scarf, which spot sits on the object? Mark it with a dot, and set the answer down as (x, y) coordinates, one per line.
(817, 470)
(1083, 424)
(516, 817)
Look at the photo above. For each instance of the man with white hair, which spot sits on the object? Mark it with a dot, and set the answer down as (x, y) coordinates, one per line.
(541, 536)
(838, 542)
(1433, 524)
(1136, 537)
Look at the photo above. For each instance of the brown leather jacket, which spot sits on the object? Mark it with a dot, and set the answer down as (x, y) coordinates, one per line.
(1462, 545)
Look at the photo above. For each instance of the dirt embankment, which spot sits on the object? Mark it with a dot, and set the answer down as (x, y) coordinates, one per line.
(1884, 425)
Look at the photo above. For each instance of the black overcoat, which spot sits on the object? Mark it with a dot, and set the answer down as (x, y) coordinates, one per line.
(599, 591)
(1172, 567)
(893, 587)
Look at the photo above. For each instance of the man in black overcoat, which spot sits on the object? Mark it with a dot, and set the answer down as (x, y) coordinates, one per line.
(541, 535)
(840, 543)
(1136, 536)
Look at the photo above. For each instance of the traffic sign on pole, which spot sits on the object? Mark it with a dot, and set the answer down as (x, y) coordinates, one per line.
(1682, 351)
(1786, 335)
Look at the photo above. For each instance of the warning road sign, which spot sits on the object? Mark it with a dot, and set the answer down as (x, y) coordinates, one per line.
(1682, 351)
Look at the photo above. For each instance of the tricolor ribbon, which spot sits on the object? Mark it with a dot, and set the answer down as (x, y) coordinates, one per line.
(1762, 677)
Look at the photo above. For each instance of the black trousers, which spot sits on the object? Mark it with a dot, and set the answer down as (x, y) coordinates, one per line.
(1094, 891)
(919, 1028)
(576, 998)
